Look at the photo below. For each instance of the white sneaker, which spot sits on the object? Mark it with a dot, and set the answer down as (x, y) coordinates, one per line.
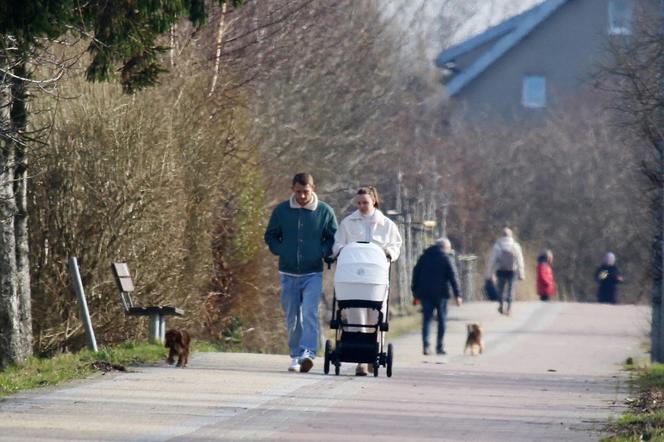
(294, 365)
(306, 361)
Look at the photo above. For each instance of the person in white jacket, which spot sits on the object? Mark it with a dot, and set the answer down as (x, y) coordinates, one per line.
(369, 224)
(506, 261)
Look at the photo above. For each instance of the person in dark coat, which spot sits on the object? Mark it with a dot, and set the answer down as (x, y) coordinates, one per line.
(433, 276)
(608, 277)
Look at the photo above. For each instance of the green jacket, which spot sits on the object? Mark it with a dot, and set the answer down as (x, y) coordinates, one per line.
(301, 237)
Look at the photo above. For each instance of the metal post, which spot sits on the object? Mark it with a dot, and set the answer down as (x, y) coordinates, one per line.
(153, 328)
(80, 293)
(467, 276)
(406, 298)
(657, 327)
(402, 267)
(162, 328)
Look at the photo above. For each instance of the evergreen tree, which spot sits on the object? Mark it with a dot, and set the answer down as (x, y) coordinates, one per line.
(124, 47)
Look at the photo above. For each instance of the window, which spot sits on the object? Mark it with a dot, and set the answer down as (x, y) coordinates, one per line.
(533, 94)
(620, 17)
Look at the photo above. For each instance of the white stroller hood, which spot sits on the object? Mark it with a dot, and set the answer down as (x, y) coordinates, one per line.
(362, 273)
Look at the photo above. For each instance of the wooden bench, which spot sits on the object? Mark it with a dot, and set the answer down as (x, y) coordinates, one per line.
(157, 314)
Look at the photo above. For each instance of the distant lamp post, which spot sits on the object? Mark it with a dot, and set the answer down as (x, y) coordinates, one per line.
(429, 226)
(429, 223)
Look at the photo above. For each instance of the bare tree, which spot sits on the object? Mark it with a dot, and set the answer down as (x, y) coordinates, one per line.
(564, 182)
(633, 74)
(120, 181)
(343, 99)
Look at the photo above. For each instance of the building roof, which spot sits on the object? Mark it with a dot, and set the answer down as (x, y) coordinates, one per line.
(506, 35)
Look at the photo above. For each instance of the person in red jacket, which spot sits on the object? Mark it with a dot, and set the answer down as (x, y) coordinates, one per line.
(546, 286)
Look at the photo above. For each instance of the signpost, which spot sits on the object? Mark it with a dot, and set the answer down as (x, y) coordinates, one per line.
(80, 293)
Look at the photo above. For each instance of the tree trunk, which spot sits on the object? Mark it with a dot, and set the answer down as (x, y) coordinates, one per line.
(10, 327)
(657, 332)
(657, 327)
(19, 119)
(220, 40)
(403, 271)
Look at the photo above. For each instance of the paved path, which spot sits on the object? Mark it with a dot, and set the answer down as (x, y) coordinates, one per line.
(550, 372)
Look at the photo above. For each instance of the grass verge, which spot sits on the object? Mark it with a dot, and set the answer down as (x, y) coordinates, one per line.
(405, 324)
(41, 372)
(645, 419)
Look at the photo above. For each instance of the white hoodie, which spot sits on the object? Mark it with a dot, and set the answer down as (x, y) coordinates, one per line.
(505, 242)
(383, 233)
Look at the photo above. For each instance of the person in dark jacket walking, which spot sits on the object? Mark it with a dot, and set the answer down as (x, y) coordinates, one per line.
(301, 233)
(433, 276)
(608, 277)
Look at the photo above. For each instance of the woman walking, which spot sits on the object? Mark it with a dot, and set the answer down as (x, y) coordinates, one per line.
(369, 224)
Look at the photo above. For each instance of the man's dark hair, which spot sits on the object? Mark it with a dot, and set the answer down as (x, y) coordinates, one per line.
(303, 178)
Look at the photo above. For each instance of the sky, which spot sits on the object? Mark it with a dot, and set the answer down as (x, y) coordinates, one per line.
(442, 23)
(487, 13)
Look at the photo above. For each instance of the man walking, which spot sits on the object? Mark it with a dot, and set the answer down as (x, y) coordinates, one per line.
(433, 274)
(506, 261)
(301, 233)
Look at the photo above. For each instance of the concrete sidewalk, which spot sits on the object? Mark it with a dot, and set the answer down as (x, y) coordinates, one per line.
(550, 372)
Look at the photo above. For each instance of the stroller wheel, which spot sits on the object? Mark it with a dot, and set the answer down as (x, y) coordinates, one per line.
(390, 358)
(376, 365)
(328, 351)
(337, 369)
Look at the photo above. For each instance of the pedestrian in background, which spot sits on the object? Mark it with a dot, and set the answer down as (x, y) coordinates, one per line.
(546, 285)
(608, 277)
(506, 262)
(301, 233)
(433, 276)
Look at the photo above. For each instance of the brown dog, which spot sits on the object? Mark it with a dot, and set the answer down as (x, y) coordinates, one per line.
(178, 343)
(474, 339)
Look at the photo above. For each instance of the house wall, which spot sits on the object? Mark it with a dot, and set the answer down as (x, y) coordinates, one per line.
(564, 48)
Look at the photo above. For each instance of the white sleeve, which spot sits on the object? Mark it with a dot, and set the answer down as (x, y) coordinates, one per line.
(340, 238)
(393, 246)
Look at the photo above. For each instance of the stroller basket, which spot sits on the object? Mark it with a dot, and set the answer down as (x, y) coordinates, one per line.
(355, 346)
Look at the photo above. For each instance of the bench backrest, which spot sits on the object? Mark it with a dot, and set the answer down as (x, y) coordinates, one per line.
(124, 282)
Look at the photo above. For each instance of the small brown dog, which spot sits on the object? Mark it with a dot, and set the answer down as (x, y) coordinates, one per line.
(178, 343)
(474, 339)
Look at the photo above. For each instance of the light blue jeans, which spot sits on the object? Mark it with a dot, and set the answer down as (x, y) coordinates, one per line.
(300, 297)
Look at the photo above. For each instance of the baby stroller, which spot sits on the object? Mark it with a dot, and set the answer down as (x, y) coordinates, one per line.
(361, 281)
